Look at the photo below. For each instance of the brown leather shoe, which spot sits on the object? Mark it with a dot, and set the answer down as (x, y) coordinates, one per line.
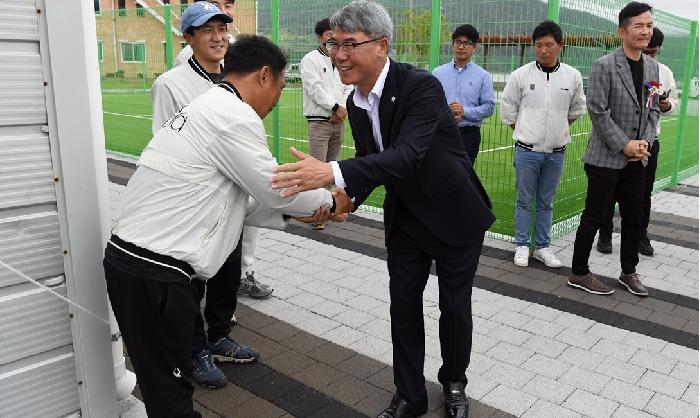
(590, 283)
(633, 284)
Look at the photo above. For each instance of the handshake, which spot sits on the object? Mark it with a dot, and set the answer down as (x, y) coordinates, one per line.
(309, 173)
(342, 206)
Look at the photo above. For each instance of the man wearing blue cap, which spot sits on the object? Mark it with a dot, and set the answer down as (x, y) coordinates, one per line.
(205, 30)
(250, 286)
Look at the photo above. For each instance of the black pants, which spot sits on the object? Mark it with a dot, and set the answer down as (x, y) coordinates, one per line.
(605, 187)
(156, 319)
(220, 304)
(471, 135)
(411, 251)
(607, 230)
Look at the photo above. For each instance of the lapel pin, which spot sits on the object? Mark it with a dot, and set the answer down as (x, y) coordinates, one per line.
(393, 99)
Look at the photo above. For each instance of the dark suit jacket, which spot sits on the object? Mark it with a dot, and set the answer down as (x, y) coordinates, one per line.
(423, 164)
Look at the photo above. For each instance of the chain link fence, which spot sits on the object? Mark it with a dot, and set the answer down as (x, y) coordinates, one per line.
(138, 43)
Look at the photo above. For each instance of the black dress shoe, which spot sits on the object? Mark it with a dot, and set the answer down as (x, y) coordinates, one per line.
(399, 408)
(645, 247)
(604, 245)
(456, 402)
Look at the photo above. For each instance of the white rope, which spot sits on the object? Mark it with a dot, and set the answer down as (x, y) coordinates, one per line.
(53, 292)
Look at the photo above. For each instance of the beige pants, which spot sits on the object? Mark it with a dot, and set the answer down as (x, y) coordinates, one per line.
(325, 139)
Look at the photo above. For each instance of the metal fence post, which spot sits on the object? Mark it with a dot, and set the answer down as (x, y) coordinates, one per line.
(275, 16)
(553, 10)
(435, 23)
(687, 76)
(168, 37)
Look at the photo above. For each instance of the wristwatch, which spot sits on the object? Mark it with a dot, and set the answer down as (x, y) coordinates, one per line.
(335, 107)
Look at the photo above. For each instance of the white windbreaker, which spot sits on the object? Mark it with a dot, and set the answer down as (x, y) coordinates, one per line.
(322, 86)
(189, 197)
(667, 82)
(541, 106)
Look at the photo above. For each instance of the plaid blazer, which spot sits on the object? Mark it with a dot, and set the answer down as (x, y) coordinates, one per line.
(615, 111)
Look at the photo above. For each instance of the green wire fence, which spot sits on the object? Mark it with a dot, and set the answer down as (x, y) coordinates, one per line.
(138, 43)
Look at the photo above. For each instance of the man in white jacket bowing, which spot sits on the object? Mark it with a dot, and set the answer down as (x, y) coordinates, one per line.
(182, 215)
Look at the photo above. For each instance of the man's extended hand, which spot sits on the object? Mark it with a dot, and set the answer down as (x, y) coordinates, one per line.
(306, 174)
(636, 150)
(664, 105)
(335, 119)
(321, 214)
(343, 203)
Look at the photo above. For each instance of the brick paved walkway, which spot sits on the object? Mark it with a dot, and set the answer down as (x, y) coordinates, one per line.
(541, 349)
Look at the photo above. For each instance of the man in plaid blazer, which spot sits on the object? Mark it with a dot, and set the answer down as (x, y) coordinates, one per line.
(624, 113)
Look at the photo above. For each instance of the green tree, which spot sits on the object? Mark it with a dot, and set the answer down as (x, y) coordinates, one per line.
(412, 41)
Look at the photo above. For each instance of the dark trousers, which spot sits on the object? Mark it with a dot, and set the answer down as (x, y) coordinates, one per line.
(605, 187)
(156, 319)
(471, 135)
(411, 251)
(220, 304)
(607, 230)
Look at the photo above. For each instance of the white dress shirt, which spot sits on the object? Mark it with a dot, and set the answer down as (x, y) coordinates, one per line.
(370, 104)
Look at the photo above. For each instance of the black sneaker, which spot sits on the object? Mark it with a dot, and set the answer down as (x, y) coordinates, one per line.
(604, 245)
(645, 247)
(205, 371)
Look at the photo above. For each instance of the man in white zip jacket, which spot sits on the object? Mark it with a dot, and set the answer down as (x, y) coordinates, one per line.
(540, 100)
(249, 285)
(182, 214)
(324, 100)
(205, 29)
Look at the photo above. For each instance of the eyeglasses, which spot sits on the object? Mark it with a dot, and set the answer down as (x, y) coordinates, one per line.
(462, 44)
(347, 47)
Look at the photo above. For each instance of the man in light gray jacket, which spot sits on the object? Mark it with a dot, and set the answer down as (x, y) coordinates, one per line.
(624, 113)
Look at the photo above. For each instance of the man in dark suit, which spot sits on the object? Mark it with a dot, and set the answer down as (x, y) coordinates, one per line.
(435, 207)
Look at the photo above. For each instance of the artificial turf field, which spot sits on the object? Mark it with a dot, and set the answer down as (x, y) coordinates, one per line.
(127, 124)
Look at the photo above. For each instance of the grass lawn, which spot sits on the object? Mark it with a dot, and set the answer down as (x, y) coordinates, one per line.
(127, 123)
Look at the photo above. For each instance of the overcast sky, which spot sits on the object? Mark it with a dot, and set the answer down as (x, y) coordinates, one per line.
(684, 8)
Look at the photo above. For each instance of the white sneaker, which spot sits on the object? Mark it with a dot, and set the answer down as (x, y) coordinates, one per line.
(546, 256)
(522, 254)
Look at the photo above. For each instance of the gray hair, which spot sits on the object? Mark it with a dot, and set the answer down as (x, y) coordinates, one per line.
(364, 16)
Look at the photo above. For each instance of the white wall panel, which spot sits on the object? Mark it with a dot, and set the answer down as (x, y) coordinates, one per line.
(22, 93)
(19, 20)
(30, 242)
(44, 387)
(26, 175)
(32, 322)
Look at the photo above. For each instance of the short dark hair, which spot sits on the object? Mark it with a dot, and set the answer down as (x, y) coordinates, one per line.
(548, 28)
(657, 38)
(322, 26)
(250, 53)
(633, 8)
(466, 30)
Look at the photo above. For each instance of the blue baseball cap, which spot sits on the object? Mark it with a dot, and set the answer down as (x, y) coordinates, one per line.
(200, 13)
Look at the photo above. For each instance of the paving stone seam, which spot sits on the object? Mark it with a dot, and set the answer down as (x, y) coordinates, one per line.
(492, 252)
